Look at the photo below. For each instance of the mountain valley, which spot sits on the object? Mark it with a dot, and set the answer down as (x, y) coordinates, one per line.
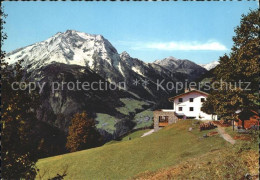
(73, 55)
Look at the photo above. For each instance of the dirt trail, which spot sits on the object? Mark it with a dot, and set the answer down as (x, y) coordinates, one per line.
(148, 133)
(225, 135)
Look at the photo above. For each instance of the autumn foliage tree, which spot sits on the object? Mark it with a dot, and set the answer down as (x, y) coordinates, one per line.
(19, 150)
(238, 73)
(18, 119)
(82, 133)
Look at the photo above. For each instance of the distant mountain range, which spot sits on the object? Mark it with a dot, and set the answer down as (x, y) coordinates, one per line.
(210, 66)
(74, 55)
(182, 66)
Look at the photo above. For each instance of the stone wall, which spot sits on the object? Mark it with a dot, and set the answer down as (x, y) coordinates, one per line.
(172, 118)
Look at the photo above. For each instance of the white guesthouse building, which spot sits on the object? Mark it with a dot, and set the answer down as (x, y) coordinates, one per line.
(185, 106)
(188, 105)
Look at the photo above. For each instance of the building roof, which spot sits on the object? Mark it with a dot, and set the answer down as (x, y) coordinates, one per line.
(194, 90)
(245, 115)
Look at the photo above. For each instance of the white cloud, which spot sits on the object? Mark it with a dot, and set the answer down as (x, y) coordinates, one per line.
(178, 46)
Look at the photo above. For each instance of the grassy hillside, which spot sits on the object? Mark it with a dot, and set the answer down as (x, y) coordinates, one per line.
(106, 122)
(229, 162)
(126, 159)
(220, 164)
(144, 119)
(131, 105)
(132, 136)
(135, 135)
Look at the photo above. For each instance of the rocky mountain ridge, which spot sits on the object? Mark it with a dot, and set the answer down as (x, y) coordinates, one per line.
(74, 55)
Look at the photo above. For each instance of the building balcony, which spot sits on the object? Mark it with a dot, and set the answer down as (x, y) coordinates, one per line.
(162, 124)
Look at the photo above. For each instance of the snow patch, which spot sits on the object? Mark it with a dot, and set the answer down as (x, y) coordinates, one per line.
(210, 66)
(120, 69)
(137, 71)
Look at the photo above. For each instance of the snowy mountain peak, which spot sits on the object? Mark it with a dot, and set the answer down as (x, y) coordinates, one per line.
(124, 55)
(71, 31)
(166, 60)
(172, 58)
(210, 66)
(169, 62)
(70, 47)
(98, 54)
(181, 65)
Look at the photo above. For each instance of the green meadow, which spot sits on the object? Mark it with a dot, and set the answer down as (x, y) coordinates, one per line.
(128, 158)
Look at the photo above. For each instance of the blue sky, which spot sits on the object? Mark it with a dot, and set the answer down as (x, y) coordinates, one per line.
(199, 31)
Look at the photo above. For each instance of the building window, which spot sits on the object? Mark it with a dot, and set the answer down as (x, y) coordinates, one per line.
(180, 100)
(191, 108)
(202, 99)
(180, 108)
(163, 118)
(191, 99)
